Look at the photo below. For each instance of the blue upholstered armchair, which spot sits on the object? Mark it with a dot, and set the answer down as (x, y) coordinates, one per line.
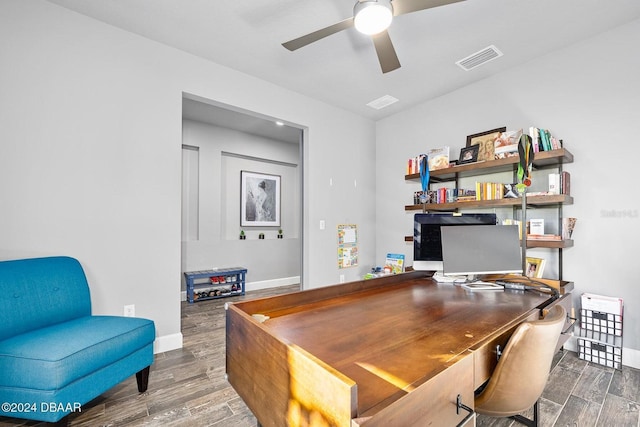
(54, 355)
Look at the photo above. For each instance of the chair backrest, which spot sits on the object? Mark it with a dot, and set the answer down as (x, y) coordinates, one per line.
(523, 369)
(40, 292)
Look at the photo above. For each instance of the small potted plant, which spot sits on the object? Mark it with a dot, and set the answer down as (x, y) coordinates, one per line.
(261, 236)
(280, 235)
(242, 235)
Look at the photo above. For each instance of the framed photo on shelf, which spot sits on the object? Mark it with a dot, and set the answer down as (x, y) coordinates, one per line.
(535, 267)
(259, 199)
(469, 154)
(486, 142)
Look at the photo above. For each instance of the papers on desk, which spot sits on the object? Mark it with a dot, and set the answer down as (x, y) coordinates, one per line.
(482, 286)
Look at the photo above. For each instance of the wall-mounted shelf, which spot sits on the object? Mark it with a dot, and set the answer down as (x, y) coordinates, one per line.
(547, 200)
(542, 160)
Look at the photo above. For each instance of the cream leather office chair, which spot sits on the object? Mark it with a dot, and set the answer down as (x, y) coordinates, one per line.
(523, 369)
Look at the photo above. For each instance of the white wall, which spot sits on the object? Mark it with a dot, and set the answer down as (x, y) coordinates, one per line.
(223, 153)
(587, 95)
(90, 136)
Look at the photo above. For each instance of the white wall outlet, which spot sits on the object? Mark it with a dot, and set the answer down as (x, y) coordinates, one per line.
(322, 224)
(342, 278)
(130, 310)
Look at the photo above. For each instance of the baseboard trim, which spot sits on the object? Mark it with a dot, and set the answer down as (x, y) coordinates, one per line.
(264, 284)
(167, 343)
(631, 357)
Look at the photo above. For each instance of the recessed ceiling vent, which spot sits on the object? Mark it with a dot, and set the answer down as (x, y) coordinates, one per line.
(382, 102)
(481, 57)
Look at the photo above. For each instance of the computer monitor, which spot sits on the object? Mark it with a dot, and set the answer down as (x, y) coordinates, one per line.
(486, 249)
(427, 244)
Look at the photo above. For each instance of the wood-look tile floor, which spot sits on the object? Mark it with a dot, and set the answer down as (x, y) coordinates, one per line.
(187, 387)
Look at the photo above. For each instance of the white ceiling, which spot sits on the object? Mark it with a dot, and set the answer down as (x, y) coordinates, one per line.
(343, 69)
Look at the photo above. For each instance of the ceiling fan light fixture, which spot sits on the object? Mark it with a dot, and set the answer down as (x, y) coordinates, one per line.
(372, 16)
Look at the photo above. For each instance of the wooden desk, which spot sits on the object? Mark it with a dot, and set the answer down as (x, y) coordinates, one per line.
(396, 350)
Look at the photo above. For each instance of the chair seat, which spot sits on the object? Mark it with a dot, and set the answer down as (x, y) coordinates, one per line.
(51, 358)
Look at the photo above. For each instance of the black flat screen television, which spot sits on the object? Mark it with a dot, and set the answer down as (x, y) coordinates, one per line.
(427, 239)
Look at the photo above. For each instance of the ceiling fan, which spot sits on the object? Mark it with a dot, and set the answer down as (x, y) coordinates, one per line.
(372, 17)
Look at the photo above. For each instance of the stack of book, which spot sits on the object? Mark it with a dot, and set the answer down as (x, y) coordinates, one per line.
(496, 191)
(444, 195)
(543, 140)
(560, 183)
(413, 164)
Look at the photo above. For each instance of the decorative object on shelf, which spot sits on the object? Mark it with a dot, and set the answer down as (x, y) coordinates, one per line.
(535, 267)
(469, 154)
(280, 235)
(506, 145)
(259, 199)
(394, 263)
(526, 155)
(261, 236)
(242, 235)
(568, 224)
(424, 177)
(438, 158)
(486, 141)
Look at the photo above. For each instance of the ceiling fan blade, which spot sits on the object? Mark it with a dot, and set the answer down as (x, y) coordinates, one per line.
(319, 34)
(386, 53)
(401, 7)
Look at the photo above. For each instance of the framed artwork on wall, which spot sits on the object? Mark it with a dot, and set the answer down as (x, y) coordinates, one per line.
(259, 199)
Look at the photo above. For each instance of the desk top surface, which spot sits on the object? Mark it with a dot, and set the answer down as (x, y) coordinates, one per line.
(392, 338)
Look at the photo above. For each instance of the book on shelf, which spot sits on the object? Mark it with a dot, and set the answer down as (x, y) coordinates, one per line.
(444, 195)
(535, 227)
(560, 183)
(496, 191)
(543, 140)
(565, 183)
(438, 158)
(413, 164)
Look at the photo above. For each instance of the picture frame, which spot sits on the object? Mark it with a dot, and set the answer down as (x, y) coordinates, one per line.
(469, 154)
(259, 199)
(486, 142)
(535, 267)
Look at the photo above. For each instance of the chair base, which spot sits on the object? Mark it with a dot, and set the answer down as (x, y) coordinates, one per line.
(526, 421)
(142, 378)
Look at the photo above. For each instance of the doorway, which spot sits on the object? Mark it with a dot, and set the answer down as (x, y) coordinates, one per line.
(219, 142)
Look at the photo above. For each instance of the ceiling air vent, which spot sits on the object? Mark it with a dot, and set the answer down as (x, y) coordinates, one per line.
(481, 57)
(382, 102)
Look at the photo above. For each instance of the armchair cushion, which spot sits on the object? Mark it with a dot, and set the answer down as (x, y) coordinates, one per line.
(51, 358)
